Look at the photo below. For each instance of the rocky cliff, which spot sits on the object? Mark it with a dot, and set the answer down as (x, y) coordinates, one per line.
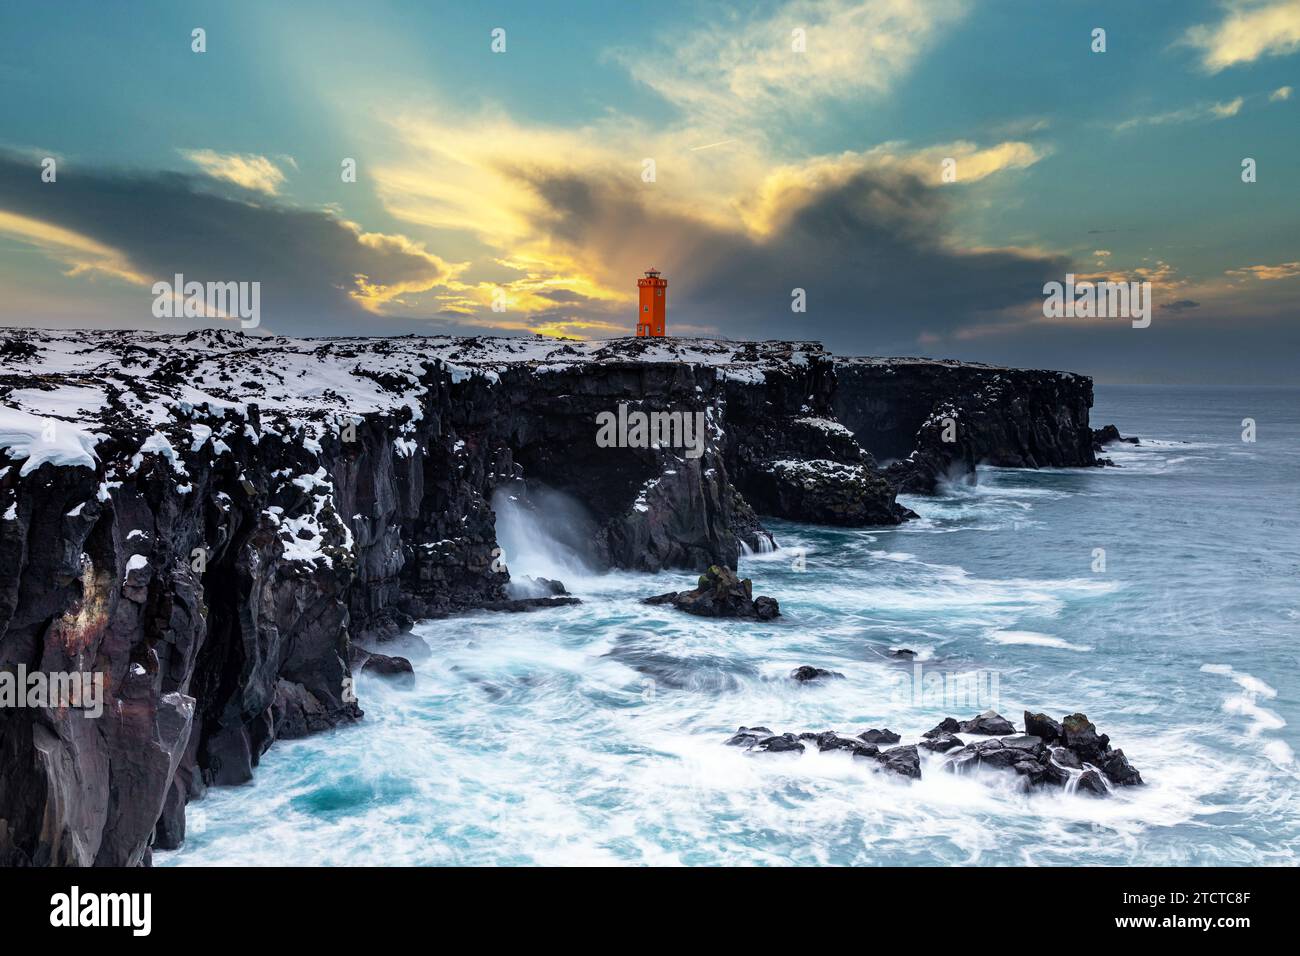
(210, 521)
(931, 420)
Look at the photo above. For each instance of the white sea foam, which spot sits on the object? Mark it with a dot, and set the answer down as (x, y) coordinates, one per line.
(1034, 639)
(1246, 704)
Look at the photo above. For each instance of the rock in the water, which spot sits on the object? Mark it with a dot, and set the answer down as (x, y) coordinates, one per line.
(720, 593)
(1091, 783)
(547, 586)
(1119, 771)
(829, 740)
(946, 726)
(885, 736)
(990, 723)
(1107, 434)
(398, 669)
(748, 736)
(1053, 754)
(1080, 735)
(942, 743)
(904, 761)
(984, 753)
(1066, 758)
(1040, 725)
(902, 653)
(1024, 742)
(779, 743)
(807, 673)
(1069, 753)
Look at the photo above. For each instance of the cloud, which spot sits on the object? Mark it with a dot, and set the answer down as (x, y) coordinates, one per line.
(319, 273)
(246, 170)
(80, 254)
(1249, 30)
(1280, 94)
(1230, 108)
(870, 249)
(571, 220)
(1210, 111)
(735, 67)
(1266, 273)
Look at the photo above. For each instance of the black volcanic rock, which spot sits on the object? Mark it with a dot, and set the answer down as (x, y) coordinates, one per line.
(948, 725)
(720, 593)
(829, 740)
(904, 410)
(1040, 725)
(1118, 770)
(397, 669)
(1089, 766)
(942, 743)
(748, 736)
(1090, 782)
(904, 761)
(885, 736)
(1109, 433)
(782, 743)
(1053, 756)
(987, 723)
(551, 588)
(807, 673)
(1080, 736)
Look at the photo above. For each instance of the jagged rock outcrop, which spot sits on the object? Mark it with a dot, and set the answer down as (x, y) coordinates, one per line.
(1070, 754)
(720, 593)
(806, 672)
(209, 521)
(1107, 434)
(935, 420)
(902, 761)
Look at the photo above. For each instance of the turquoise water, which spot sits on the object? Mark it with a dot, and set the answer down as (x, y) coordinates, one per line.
(594, 734)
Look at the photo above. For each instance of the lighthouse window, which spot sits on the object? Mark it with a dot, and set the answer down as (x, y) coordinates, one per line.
(646, 309)
(659, 292)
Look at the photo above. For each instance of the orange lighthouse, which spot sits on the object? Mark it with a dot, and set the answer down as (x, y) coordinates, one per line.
(653, 306)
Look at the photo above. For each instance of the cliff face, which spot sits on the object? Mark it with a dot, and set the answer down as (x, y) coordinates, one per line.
(938, 419)
(209, 521)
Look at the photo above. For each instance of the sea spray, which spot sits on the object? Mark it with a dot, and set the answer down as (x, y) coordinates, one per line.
(541, 533)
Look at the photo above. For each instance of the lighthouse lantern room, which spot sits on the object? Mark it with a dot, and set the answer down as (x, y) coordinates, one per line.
(653, 305)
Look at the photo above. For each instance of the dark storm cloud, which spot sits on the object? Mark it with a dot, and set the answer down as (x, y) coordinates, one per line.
(881, 279)
(870, 254)
(166, 223)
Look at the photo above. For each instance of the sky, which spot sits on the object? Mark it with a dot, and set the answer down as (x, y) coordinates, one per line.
(919, 169)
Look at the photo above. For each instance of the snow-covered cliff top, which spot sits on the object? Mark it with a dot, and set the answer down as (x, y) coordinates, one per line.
(89, 383)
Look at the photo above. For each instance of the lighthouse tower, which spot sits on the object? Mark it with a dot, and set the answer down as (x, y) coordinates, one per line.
(652, 309)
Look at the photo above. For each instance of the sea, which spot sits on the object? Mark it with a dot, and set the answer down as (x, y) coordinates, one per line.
(1160, 597)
